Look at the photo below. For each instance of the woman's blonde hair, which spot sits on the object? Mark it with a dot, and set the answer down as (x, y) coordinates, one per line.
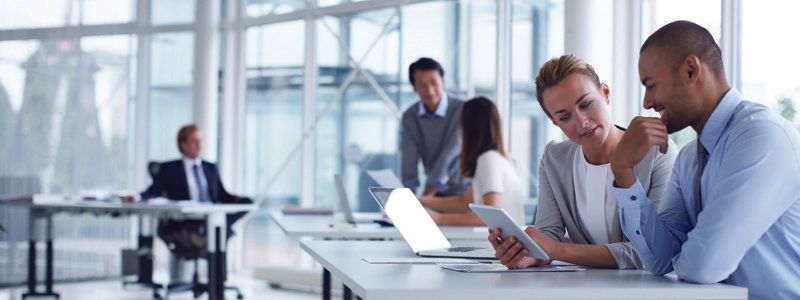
(556, 69)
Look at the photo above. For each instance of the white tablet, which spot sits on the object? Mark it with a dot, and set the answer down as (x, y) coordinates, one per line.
(496, 217)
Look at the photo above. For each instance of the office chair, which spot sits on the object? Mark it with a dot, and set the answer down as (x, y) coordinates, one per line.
(186, 241)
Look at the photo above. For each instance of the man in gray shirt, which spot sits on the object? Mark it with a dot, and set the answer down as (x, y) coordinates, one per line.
(430, 132)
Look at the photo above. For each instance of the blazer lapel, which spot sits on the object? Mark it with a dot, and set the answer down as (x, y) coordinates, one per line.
(211, 181)
(183, 181)
(572, 200)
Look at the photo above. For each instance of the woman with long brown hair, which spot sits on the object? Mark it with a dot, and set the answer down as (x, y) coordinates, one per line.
(483, 159)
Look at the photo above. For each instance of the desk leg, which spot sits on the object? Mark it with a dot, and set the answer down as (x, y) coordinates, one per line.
(144, 248)
(48, 256)
(326, 284)
(347, 294)
(35, 235)
(31, 268)
(215, 231)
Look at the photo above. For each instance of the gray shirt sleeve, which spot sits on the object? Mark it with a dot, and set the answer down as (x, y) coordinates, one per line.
(409, 153)
(439, 174)
(548, 217)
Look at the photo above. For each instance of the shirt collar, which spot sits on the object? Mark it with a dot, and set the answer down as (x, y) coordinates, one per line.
(191, 161)
(718, 120)
(441, 108)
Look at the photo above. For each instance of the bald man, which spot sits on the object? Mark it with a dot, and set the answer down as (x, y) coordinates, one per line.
(731, 212)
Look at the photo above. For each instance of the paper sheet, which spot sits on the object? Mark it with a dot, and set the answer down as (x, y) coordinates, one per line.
(420, 260)
(385, 178)
(498, 268)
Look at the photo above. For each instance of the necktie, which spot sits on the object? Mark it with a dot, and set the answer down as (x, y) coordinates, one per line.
(202, 189)
(702, 156)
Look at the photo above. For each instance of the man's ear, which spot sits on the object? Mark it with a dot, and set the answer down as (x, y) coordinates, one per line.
(691, 68)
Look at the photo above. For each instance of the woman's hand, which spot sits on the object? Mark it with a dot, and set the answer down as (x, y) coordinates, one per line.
(427, 199)
(551, 247)
(511, 252)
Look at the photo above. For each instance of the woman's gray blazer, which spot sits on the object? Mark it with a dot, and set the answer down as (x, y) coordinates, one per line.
(557, 210)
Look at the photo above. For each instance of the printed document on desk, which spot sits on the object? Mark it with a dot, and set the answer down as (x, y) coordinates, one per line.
(498, 268)
(422, 260)
(385, 178)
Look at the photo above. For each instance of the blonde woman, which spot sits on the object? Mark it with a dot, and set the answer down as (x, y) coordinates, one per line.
(575, 179)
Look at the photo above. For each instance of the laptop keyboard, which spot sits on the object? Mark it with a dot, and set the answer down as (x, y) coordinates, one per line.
(462, 249)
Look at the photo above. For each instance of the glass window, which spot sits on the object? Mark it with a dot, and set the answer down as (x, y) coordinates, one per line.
(483, 49)
(171, 99)
(54, 13)
(769, 63)
(273, 132)
(65, 112)
(65, 128)
(172, 11)
(657, 13)
(537, 34)
(258, 8)
(357, 129)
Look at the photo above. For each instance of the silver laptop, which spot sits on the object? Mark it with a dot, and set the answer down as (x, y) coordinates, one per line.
(344, 203)
(418, 229)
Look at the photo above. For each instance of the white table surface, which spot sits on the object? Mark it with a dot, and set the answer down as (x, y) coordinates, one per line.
(371, 281)
(332, 227)
(56, 203)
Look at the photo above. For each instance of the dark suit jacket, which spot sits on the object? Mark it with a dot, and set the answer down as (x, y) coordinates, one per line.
(170, 182)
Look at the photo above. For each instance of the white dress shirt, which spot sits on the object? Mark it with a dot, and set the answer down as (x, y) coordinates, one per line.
(188, 163)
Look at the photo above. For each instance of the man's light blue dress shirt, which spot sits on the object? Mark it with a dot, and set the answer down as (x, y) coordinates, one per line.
(748, 231)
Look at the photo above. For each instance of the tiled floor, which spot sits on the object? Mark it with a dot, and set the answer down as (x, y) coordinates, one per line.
(112, 289)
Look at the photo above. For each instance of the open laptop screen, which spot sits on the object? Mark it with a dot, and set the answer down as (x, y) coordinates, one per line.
(344, 203)
(411, 219)
(381, 194)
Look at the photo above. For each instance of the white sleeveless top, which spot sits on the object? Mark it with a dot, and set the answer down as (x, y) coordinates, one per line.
(597, 207)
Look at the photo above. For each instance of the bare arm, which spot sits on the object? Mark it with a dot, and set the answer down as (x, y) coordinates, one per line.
(512, 253)
(449, 204)
(467, 217)
(596, 256)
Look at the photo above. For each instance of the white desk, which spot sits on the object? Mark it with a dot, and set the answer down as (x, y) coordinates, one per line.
(387, 282)
(319, 227)
(43, 208)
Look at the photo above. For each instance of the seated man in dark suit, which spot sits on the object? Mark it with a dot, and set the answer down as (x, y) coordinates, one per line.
(189, 179)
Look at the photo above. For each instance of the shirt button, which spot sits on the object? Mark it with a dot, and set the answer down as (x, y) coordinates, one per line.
(637, 232)
(633, 198)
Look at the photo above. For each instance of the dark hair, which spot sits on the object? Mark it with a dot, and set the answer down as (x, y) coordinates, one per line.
(682, 38)
(480, 132)
(557, 69)
(424, 64)
(184, 133)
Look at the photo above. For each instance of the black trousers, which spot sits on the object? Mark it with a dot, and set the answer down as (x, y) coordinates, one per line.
(187, 238)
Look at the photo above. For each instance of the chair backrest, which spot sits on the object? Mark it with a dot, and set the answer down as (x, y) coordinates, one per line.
(153, 167)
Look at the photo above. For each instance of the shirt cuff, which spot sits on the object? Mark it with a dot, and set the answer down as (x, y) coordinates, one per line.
(630, 202)
(630, 197)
